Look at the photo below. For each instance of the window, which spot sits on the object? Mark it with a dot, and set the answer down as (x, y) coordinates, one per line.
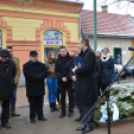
(52, 42)
(0, 39)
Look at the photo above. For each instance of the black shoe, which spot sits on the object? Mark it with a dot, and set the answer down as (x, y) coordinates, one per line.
(78, 119)
(87, 130)
(51, 107)
(55, 107)
(62, 114)
(32, 120)
(42, 119)
(70, 114)
(6, 125)
(81, 128)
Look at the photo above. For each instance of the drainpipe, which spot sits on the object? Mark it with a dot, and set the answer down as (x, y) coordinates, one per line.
(95, 26)
(80, 22)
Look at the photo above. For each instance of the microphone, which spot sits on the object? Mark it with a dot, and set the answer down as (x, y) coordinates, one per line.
(131, 48)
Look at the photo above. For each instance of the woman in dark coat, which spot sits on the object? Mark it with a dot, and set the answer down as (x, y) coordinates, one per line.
(107, 69)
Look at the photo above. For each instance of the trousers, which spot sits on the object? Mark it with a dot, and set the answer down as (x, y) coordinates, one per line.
(52, 89)
(90, 119)
(13, 100)
(63, 88)
(5, 111)
(36, 106)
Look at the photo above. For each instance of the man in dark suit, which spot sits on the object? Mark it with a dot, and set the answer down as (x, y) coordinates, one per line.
(86, 84)
(62, 70)
(35, 73)
(7, 74)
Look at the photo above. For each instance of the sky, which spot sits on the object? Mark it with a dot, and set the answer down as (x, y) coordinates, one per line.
(123, 7)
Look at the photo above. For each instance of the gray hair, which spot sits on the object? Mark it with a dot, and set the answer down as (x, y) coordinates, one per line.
(106, 48)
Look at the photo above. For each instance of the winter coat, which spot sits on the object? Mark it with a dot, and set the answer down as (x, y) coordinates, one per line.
(35, 73)
(107, 69)
(17, 76)
(72, 74)
(7, 74)
(50, 66)
(86, 84)
(98, 71)
(62, 68)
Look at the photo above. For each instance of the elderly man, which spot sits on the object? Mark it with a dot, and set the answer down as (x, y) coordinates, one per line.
(35, 74)
(16, 81)
(7, 74)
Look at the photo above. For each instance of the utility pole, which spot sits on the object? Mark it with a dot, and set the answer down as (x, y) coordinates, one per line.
(95, 25)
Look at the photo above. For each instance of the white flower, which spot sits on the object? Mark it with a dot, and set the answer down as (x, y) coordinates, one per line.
(113, 99)
(127, 106)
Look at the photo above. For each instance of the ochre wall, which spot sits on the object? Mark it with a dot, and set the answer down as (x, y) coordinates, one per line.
(24, 29)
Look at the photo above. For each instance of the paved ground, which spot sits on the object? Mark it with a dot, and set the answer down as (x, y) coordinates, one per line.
(53, 125)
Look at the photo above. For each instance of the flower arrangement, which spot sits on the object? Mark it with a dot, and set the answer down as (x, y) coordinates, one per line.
(123, 96)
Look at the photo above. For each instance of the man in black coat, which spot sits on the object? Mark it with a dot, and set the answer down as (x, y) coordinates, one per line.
(74, 80)
(35, 73)
(7, 74)
(86, 84)
(62, 70)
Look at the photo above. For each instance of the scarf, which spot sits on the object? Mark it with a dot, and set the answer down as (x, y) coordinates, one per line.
(105, 58)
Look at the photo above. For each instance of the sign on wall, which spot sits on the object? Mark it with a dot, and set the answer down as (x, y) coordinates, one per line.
(52, 37)
(0, 40)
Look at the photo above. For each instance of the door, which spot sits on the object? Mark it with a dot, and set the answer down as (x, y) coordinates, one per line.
(117, 51)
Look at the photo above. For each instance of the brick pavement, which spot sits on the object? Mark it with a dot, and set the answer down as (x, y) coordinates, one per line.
(53, 125)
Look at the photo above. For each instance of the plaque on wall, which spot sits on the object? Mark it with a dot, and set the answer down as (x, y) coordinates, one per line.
(52, 37)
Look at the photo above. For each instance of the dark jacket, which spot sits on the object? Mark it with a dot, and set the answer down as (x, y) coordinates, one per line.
(72, 74)
(35, 73)
(7, 74)
(62, 68)
(107, 69)
(98, 70)
(86, 84)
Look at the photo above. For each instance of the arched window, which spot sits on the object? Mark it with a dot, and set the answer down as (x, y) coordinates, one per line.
(0, 39)
(52, 41)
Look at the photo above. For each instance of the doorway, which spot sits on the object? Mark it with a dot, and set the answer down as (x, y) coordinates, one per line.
(116, 52)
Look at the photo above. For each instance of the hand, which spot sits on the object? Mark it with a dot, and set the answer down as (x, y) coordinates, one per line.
(64, 79)
(73, 70)
(74, 78)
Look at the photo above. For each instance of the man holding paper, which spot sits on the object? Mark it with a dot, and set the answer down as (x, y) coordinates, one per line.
(86, 84)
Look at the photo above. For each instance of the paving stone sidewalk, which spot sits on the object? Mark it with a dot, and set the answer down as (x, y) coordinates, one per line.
(53, 125)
